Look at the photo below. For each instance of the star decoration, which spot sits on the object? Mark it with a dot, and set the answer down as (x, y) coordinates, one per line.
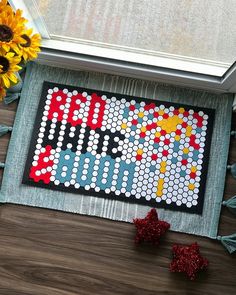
(150, 229)
(188, 259)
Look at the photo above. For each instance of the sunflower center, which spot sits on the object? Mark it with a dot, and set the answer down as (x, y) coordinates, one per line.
(5, 65)
(6, 34)
(27, 39)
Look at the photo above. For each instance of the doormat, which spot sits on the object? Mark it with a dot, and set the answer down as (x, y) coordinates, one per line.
(121, 147)
(156, 98)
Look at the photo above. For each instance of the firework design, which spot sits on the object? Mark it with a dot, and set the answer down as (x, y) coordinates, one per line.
(116, 146)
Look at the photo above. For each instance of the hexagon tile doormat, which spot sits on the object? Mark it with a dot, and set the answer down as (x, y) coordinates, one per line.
(116, 146)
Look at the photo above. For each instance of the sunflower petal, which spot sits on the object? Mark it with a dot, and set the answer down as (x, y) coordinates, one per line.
(13, 77)
(5, 80)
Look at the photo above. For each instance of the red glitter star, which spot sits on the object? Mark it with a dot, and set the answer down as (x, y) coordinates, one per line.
(188, 259)
(150, 228)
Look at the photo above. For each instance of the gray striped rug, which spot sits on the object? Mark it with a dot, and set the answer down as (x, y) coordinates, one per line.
(13, 191)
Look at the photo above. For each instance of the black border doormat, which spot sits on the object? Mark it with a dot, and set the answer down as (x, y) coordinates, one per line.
(121, 147)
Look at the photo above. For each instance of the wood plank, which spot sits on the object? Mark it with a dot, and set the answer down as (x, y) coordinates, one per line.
(50, 252)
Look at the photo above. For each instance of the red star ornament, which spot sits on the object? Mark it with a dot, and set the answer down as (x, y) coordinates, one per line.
(150, 229)
(188, 259)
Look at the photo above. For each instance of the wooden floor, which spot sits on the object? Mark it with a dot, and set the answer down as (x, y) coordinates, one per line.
(54, 253)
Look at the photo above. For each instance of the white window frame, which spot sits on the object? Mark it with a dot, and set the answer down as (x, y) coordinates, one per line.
(94, 56)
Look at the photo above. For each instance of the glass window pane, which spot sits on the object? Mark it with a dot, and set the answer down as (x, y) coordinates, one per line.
(202, 29)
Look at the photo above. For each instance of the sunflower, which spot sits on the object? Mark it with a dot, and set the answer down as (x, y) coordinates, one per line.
(2, 92)
(30, 47)
(12, 26)
(8, 66)
(4, 7)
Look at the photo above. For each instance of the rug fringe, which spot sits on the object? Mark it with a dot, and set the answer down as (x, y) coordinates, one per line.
(232, 169)
(229, 242)
(230, 204)
(4, 129)
(2, 165)
(10, 97)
